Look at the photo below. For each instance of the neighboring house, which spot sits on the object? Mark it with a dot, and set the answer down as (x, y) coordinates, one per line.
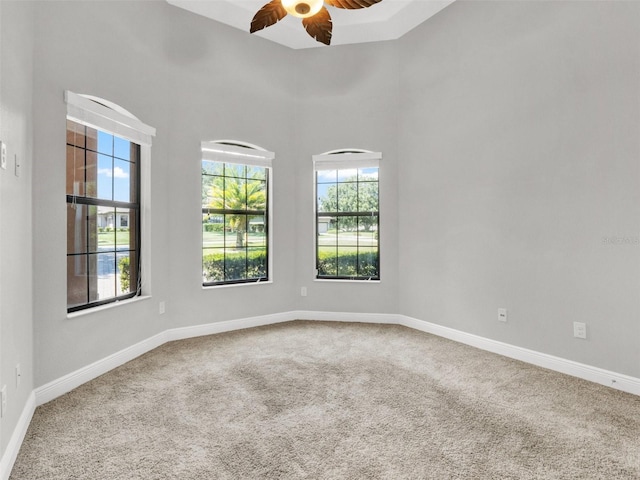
(109, 220)
(324, 224)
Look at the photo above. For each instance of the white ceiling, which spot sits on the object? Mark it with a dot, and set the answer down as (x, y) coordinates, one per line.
(387, 20)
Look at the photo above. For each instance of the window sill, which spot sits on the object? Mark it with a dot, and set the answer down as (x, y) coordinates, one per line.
(213, 287)
(345, 280)
(89, 311)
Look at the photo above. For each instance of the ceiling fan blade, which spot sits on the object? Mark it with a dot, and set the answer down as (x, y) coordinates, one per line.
(319, 26)
(352, 4)
(271, 13)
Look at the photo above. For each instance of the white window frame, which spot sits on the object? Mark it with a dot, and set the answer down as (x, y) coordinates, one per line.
(244, 153)
(104, 115)
(344, 158)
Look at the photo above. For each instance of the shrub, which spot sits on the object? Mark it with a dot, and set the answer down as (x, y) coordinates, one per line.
(214, 227)
(125, 277)
(347, 265)
(236, 266)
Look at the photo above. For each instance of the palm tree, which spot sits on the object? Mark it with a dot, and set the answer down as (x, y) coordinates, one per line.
(240, 198)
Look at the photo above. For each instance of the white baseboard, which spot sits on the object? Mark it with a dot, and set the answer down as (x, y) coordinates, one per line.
(615, 380)
(17, 437)
(181, 333)
(388, 318)
(72, 380)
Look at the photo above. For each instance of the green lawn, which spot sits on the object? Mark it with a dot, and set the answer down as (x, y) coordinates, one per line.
(218, 239)
(113, 238)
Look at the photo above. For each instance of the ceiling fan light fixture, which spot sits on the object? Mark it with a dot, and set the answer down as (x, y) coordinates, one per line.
(302, 8)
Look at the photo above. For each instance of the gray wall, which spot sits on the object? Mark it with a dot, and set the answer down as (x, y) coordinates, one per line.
(519, 140)
(348, 97)
(510, 141)
(196, 80)
(192, 80)
(16, 233)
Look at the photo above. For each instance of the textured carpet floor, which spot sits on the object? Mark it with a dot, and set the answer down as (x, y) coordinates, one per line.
(315, 400)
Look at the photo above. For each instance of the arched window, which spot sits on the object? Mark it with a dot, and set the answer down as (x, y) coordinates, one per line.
(236, 218)
(106, 146)
(347, 215)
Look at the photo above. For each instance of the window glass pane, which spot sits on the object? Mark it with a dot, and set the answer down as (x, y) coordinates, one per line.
(102, 275)
(256, 196)
(122, 222)
(346, 230)
(212, 168)
(91, 139)
(367, 197)
(71, 132)
(327, 197)
(347, 197)
(81, 228)
(368, 232)
(368, 262)
(347, 175)
(327, 176)
(75, 171)
(325, 229)
(106, 226)
(122, 184)
(258, 173)
(105, 177)
(257, 233)
(77, 286)
(368, 174)
(234, 170)
(327, 261)
(347, 261)
(124, 262)
(212, 265)
(235, 267)
(212, 230)
(235, 194)
(256, 263)
(105, 143)
(121, 148)
(91, 174)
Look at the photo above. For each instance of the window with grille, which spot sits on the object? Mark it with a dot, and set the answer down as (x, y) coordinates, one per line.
(103, 204)
(235, 213)
(347, 215)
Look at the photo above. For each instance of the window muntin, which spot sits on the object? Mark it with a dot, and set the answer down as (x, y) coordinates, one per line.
(235, 214)
(347, 216)
(103, 221)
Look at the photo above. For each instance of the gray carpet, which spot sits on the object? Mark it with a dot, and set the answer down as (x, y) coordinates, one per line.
(316, 400)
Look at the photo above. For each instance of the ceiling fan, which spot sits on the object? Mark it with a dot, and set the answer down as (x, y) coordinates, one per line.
(315, 16)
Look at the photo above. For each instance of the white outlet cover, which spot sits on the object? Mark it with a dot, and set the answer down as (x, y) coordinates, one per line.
(3, 155)
(3, 406)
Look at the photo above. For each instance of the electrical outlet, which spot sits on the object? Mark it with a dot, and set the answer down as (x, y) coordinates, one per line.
(502, 314)
(18, 375)
(303, 291)
(162, 307)
(3, 406)
(3, 155)
(579, 330)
